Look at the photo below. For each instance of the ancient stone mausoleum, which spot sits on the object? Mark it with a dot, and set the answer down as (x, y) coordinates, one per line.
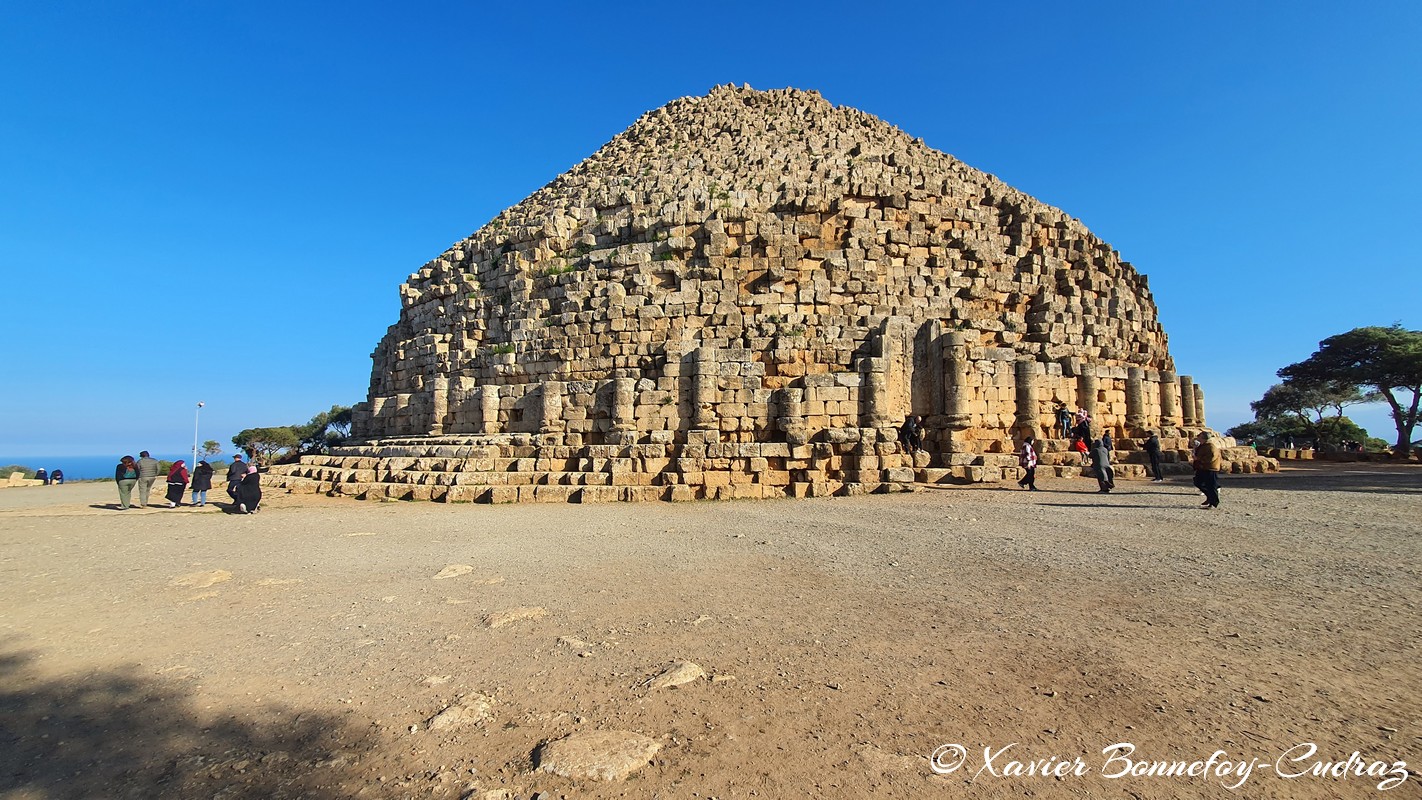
(743, 295)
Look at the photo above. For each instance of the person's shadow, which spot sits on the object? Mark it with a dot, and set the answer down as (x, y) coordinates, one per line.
(118, 733)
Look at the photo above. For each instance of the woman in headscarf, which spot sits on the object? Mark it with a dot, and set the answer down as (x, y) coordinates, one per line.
(202, 481)
(126, 476)
(249, 491)
(177, 483)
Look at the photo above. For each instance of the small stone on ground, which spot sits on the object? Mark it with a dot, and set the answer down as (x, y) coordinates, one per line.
(502, 618)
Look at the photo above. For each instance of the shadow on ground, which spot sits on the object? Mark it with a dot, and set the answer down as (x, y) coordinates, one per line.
(117, 734)
(1371, 477)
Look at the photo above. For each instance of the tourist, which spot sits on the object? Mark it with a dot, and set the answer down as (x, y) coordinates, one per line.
(126, 476)
(1082, 430)
(177, 483)
(1027, 459)
(1106, 441)
(249, 491)
(1078, 445)
(1152, 448)
(1207, 466)
(147, 474)
(42, 476)
(57, 477)
(202, 481)
(235, 472)
(1101, 465)
(1064, 419)
(911, 434)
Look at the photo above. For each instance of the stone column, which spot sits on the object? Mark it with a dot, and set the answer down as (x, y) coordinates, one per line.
(550, 407)
(489, 407)
(624, 409)
(360, 421)
(1187, 401)
(379, 423)
(893, 350)
(1135, 400)
(402, 414)
(1199, 406)
(1169, 399)
(439, 405)
(463, 396)
(705, 374)
(876, 392)
(955, 374)
(1029, 412)
(956, 417)
(792, 416)
(1088, 387)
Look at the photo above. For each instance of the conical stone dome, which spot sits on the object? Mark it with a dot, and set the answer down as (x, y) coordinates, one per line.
(764, 267)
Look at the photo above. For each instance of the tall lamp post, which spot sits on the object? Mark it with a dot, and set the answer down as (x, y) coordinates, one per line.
(195, 433)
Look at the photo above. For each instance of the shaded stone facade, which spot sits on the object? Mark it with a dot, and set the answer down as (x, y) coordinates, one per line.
(743, 295)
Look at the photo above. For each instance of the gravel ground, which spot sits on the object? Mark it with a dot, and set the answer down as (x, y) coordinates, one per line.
(305, 650)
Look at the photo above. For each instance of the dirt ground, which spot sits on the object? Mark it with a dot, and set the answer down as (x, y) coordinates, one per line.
(303, 651)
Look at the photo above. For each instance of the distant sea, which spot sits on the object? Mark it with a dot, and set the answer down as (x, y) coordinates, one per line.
(79, 468)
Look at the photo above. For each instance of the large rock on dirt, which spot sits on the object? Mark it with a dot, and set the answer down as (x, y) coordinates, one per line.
(597, 755)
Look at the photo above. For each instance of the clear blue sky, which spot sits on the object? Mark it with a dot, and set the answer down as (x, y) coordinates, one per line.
(217, 202)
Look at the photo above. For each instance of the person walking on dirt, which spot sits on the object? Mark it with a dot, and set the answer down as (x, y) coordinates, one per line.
(202, 481)
(125, 475)
(1027, 459)
(177, 483)
(1207, 470)
(1101, 465)
(147, 474)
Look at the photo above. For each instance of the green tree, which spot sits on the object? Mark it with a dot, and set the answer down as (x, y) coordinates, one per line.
(1298, 409)
(1278, 431)
(268, 443)
(210, 448)
(1387, 361)
(325, 430)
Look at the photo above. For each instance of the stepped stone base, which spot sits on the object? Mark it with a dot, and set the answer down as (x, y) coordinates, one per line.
(527, 468)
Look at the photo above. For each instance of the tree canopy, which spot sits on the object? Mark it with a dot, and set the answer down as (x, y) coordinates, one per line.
(1385, 361)
(267, 443)
(325, 430)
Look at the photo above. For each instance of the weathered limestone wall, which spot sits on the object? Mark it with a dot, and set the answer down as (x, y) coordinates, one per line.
(776, 281)
(774, 226)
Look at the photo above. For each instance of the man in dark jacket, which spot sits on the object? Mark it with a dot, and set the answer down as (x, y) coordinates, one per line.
(202, 481)
(1207, 463)
(235, 472)
(1064, 419)
(1152, 448)
(1101, 465)
(911, 434)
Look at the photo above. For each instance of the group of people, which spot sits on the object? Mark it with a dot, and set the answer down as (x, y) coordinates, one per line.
(1100, 455)
(1205, 459)
(243, 482)
(1077, 428)
(50, 478)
